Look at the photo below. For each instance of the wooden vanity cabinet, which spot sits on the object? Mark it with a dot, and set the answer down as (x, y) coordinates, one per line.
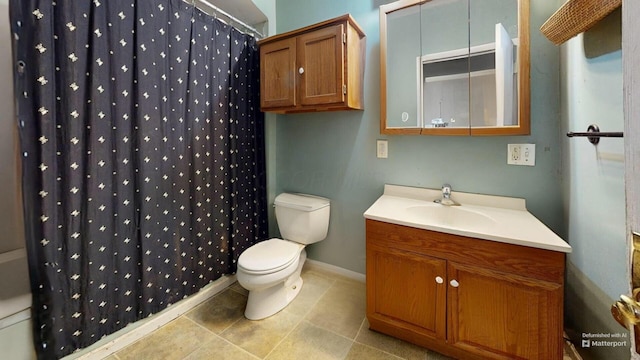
(464, 297)
(316, 68)
(404, 292)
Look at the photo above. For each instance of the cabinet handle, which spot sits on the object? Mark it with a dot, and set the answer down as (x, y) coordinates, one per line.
(301, 71)
(454, 283)
(439, 280)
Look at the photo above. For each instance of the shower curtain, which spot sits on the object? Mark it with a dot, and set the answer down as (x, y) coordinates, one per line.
(143, 159)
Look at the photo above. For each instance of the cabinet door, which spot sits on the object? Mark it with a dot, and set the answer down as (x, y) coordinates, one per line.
(277, 74)
(407, 290)
(502, 316)
(321, 66)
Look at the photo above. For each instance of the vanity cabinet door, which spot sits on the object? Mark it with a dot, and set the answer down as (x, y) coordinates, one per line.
(464, 297)
(321, 66)
(278, 74)
(407, 290)
(502, 316)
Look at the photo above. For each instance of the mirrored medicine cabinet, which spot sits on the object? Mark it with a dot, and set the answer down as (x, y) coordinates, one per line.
(454, 67)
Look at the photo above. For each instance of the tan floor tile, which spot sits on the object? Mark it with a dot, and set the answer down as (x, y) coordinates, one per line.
(307, 270)
(220, 312)
(175, 340)
(311, 342)
(220, 349)
(259, 337)
(359, 351)
(390, 344)
(238, 288)
(570, 352)
(341, 309)
(335, 313)
(326, 274)
(313, 287)
(432, 355)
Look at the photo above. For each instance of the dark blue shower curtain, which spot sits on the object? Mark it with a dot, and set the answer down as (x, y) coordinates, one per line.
(143, 159)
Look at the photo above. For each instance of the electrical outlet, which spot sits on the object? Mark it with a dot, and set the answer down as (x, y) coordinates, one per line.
(521, 154)
(382, 149)
(513, 154)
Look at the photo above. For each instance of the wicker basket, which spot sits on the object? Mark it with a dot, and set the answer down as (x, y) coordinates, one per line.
(576, 16)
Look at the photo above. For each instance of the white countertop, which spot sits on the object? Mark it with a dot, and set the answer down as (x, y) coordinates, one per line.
(487, 217)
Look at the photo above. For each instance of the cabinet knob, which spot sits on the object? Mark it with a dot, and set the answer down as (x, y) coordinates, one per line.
(301, 71)
(439, 280)
(454, 283)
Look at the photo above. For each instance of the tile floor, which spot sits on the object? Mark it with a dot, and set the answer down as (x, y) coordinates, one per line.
(326, 321)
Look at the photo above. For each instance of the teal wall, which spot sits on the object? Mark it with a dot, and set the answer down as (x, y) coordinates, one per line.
(333, 154)
(268, 8)
(593, 183)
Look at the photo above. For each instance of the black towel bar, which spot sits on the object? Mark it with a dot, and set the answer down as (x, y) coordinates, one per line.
(594, 134)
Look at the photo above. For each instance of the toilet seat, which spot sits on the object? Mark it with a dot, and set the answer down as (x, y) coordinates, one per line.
(269, 256)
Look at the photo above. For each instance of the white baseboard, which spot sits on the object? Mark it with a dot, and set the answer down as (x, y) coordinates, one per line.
(314, 264)
(134, 332)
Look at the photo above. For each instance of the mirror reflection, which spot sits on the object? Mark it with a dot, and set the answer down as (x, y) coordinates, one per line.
(403, 48)
(454, 67)
(493, 56)
(444, 64)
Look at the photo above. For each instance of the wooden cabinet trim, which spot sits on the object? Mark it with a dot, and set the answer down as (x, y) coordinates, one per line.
(346, 18)
(530, 262)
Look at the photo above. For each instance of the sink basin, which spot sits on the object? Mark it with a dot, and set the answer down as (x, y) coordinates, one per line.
(450, 216)
(486, 217)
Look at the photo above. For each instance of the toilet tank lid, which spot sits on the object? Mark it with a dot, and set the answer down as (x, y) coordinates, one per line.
(303, 202)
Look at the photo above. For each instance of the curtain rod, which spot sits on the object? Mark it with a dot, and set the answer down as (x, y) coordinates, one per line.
(226, 14)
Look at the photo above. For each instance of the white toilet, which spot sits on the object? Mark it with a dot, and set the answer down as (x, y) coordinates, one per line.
(270, 269)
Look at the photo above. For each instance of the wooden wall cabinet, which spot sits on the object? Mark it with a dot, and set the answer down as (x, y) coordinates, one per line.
(463, 297)
(316, 68)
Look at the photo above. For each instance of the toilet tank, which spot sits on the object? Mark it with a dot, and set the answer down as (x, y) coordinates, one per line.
(302, 218)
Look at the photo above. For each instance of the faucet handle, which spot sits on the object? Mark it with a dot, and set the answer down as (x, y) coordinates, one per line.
(446, 197)
(446, 190)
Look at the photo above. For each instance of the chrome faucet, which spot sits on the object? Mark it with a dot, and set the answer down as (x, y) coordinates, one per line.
(446, 191)
(446, 197)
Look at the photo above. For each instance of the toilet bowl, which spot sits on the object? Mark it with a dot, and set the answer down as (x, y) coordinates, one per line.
(271, 269)
(270, 290)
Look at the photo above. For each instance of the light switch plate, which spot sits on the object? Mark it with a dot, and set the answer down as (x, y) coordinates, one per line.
(521, 154)
(382, 149)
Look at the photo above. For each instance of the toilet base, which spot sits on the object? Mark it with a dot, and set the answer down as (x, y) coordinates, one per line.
(266, 302)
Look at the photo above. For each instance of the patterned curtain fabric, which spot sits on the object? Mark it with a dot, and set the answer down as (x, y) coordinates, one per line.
(143, 159)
